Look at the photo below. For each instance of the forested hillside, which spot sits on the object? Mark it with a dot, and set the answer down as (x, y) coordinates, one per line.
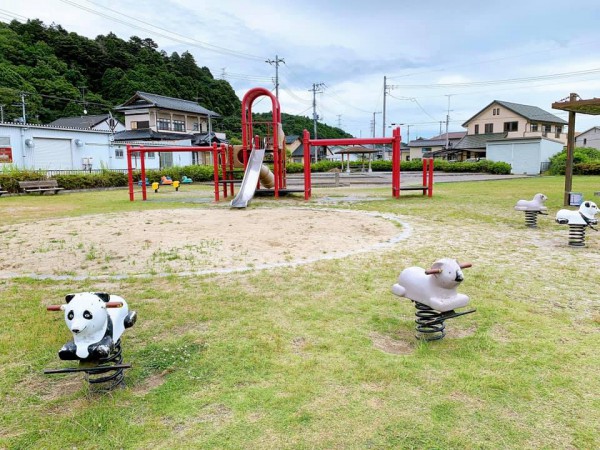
(63, 73)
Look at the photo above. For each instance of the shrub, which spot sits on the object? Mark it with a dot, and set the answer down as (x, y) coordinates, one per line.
(581, 155)
(589, 168)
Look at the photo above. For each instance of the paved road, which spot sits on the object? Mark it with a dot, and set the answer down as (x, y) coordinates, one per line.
(385, 178)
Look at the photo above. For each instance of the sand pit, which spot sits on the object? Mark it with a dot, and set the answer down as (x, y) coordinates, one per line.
(188, 241)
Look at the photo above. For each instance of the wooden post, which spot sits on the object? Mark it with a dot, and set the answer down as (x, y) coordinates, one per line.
(570, 148)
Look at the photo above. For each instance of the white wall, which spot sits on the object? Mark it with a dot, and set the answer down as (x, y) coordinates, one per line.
(32, 147)
(524, 155)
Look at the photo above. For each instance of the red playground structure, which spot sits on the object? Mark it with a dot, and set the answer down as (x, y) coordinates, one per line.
(426, 187)
(258, 177)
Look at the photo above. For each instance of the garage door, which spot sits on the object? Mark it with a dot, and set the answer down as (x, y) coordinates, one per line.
(52, 154)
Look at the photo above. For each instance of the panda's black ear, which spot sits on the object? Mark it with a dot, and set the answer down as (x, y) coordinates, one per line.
(103, 296)
(587, 204)
(69, 297)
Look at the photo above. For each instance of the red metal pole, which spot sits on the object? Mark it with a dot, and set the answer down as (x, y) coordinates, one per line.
(307, 181)
(143, 173)
(129, 173)
(223, 169)
(430, 190)
(231, 169)
(395, 163)
(216, 170)
(276, 167)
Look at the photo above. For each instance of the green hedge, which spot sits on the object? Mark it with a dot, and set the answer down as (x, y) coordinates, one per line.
(589, 168)
(582, 158)
(500, 168)
(9, 180)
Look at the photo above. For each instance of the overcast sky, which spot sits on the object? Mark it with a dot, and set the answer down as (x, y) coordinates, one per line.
(530, 52)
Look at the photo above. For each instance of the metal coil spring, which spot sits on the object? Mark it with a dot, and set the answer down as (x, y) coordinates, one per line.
(108, 382)
(577, 235)
(425, 330)
(531, 219)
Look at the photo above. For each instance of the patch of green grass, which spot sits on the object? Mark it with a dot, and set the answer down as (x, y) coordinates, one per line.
(323, 355)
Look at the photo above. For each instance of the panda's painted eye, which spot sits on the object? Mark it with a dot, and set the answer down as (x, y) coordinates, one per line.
(87, 315)
(70, 315)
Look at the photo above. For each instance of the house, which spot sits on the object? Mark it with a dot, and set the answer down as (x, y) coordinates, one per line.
(145, 111)
(474, 145)
(516, 121)
(323, 152)
(589, 138)
(522, 135)
(292, 143)
(172, 121)
(435, 147)
(94, 142)
(101, 122)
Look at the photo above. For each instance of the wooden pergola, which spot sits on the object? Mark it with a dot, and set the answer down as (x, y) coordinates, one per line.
(574, 104)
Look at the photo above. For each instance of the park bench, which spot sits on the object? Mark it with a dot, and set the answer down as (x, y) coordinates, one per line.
(40, 186)
(2, 192)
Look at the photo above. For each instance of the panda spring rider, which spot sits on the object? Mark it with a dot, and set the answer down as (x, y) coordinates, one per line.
(97, 321)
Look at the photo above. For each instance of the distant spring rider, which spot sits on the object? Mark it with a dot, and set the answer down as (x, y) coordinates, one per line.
(532, 209)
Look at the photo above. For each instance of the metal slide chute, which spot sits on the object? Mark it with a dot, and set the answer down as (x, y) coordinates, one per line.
(251, 176)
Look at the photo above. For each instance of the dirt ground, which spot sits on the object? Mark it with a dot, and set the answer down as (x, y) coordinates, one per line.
(187, 241)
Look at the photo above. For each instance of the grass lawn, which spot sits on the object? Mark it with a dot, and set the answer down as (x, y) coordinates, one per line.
(322, 355)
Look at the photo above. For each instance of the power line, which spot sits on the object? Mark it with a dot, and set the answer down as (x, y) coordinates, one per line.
(185, 39)
(505, 81)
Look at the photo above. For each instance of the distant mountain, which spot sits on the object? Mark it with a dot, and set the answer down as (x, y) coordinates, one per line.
(62, 73)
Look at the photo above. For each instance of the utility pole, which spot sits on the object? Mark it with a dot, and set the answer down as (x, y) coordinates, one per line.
(1, 113)
(383, 125)
(374, 112)
(222, 73)
(339, 124)
(276, 61)
(441, 122)
(448, 120)
(316, 89)
(82, 89)
(23, 95)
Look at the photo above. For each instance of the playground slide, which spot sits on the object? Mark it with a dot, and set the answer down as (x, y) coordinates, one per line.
(250, 180)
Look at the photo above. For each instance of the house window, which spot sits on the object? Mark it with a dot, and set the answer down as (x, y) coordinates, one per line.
(489, 127)
(477, 129)
(496, 111)
(119, 153)
(164, 124)
(558, 131)
(425, 149)
(534, 127)
(151, 155)
(547, 129)
(511, 126)
(178, 125)
(195, 126)
(139, 124)
(584, 141)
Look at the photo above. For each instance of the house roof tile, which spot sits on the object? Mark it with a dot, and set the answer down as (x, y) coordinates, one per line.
(80, 122)
(531, 113)
(145, 99)
(471, 141)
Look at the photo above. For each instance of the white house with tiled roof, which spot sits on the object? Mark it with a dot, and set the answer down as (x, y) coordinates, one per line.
(517, 121)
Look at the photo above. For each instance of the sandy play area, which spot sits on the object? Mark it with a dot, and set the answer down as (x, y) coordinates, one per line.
(189, 241)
